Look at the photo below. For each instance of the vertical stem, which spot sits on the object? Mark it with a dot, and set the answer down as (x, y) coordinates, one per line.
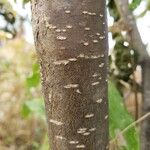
(136, 97)
(145, 127)
(71, 43)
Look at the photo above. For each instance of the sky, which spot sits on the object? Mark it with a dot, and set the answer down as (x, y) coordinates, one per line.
(143, 23)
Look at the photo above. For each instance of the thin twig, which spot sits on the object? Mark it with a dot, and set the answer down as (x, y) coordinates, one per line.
(136, 122)
(130, 126)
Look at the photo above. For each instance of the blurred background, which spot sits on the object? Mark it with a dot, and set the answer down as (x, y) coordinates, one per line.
(22, 114)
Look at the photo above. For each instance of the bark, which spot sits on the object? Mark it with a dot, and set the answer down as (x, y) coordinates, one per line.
(145, 128)
(71, 43)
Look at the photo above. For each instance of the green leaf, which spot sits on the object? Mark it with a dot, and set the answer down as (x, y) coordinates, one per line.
(119, 119)
(33, 107)
(35, 67)
(134, 4)
(113, 10)
(25, 1)
(34, 79)
(45, 145)
(25, 111)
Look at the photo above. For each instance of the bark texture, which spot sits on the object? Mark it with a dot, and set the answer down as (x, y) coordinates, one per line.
(145, 128)
(71, 43)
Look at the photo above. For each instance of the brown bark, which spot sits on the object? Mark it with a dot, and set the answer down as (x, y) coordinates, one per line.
(145, 128)
(71, 43)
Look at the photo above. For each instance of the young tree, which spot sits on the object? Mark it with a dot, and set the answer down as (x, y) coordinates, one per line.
(71, 43)
(145, 128)
(129, 23)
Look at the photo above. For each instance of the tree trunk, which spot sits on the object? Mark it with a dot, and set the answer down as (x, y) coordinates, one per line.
(145, 127)
(71, 43)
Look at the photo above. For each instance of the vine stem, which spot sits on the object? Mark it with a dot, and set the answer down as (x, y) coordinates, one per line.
(129, 127)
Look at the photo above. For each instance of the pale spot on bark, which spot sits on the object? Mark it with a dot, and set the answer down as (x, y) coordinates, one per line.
(106, 116)
(60, 137)
(86, 57)
(92, 129)
(56, 122)
(95, 75)
(81, 130)
(101, 15)
(85, 43)
(50, 97)
(61, 38)
(100, 78)
(50, 26)
(91, 13)
(71, 86)
(67, 11)
(98, 34)
(95, 83)
(78, 91)
(86, 133)
(101, 65)
(80, 146)
(95, 41)
(89, 57)
(73, 142)
(58, 30)
(89, 115)
(102, 55)
(102, 37)
(68, 26)
(85, 12)
(99, 100)
(87, 28)
(72, 59)
(81, 56)
(59, 62)
(64, 30)
(95, 57)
